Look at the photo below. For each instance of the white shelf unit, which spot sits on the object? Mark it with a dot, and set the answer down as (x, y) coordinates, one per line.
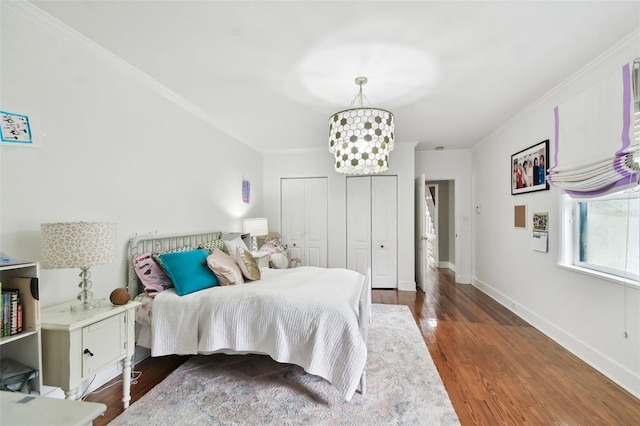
(24, 347)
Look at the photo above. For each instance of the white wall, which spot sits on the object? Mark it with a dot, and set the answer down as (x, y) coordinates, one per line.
(110, 148)
(319, 163)
(582, 313)
(453, 165)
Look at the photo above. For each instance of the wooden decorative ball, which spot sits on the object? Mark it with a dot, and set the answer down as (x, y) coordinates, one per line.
(120, 296)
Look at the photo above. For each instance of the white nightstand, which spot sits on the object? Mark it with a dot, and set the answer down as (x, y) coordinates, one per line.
(262, 259)
(76, 344)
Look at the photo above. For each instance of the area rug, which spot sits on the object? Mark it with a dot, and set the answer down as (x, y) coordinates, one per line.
(403, 387)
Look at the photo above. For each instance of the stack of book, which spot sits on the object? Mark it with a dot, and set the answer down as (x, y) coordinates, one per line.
(11, 309)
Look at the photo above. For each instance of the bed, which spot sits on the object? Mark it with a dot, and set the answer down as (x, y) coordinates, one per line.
(316, 318)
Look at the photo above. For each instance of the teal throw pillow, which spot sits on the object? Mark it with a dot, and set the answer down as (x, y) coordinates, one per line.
(189, 271)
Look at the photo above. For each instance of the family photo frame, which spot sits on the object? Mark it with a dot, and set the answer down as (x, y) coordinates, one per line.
(529, 169)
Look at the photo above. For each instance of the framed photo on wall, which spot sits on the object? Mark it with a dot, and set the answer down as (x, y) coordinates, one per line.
(529, 169)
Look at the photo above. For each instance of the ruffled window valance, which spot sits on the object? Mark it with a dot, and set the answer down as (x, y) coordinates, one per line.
(597, 136)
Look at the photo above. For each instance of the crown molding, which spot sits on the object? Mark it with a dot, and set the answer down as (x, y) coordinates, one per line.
(53, 25)
(598, 60)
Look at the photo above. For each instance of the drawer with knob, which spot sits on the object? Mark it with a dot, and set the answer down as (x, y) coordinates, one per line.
(76, 344)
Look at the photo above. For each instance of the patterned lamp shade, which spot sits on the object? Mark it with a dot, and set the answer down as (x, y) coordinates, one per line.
(78, 244)
(361, 138)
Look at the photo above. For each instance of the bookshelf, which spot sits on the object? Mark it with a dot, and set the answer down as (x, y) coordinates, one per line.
(24, 347)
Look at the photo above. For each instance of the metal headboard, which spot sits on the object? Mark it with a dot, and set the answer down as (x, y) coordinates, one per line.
(155, 243)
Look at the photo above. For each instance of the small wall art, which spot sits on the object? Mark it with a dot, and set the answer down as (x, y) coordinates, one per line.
(246, 191)
(541, 222)
(529, 169)
(15, 129)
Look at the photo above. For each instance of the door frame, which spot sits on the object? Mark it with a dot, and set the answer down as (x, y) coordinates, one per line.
(436, 202)
(453, 224)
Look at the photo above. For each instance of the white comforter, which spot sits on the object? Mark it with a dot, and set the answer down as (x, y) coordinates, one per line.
(305, 316)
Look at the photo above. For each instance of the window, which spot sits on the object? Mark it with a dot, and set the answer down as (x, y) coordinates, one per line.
(602, 235)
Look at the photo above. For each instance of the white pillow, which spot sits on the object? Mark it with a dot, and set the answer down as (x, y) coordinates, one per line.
(232, 245)
(279, 261)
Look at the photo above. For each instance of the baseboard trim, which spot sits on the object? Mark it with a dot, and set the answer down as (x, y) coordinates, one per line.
(407, 285)
(447, 264)
(463, 279)
(601, 362)
(141, 353)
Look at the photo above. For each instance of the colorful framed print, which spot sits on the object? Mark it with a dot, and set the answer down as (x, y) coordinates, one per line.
(15, 129)
(246, 191)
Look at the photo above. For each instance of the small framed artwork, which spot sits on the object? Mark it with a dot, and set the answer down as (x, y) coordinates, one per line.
(15, 129)
(529, 169)
(540, 222)
(246, 191)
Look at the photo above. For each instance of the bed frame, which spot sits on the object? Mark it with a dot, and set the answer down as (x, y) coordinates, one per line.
(154, 243)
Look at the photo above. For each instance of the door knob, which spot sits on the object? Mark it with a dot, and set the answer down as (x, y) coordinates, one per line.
(381, 246)
(87, 351)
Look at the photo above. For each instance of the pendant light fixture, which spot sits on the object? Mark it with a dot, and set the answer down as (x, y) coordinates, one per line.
(361, 138)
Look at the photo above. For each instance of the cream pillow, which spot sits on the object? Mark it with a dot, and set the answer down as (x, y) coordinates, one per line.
(279, 261)
(231, 246)
(248, 265)
(224, 268)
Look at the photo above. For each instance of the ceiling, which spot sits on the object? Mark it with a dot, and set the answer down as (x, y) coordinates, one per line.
(271, 73)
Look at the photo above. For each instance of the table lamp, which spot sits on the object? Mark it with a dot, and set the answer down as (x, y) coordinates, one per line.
(255, 227)
(79, 245)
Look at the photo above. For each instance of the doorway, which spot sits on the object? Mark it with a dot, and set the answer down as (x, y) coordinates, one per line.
(431, 223)
(435, 228)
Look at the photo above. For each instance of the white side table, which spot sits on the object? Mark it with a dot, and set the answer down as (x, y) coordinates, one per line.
(262, 259)
(76, 344)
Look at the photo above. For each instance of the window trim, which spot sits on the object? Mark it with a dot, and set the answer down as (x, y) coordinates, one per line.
(569, 242)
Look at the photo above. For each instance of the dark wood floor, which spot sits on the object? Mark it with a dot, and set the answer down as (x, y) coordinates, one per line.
(496, 368)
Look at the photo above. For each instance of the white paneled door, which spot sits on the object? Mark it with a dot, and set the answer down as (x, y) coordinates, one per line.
(372, 228)
(304, 219)
(359, 224)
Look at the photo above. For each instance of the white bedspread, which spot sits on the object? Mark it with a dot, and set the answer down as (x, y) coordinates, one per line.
(305, 316)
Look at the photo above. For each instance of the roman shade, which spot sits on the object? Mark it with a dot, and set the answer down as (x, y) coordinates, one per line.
(597, 136)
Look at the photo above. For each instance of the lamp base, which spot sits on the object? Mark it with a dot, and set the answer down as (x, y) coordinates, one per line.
(85, 297)
(84, 306)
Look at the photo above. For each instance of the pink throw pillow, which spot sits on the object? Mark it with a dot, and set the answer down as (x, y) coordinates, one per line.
(224, 268)
(153, 278)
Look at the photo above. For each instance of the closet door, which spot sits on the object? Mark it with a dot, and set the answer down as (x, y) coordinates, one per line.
(292, 215)
(384, 231)
(316, 222)
(358, 223)
(304, 219)
(372, 228)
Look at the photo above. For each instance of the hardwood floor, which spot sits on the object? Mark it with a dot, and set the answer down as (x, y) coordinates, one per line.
(496, 368)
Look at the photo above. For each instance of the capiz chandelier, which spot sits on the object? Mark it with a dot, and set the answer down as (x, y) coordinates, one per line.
(361, 138)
